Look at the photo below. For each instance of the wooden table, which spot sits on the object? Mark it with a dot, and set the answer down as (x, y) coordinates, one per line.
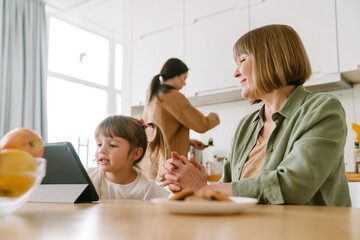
(119, 219)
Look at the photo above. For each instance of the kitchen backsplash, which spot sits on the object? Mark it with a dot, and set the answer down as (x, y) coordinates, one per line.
(231, 113)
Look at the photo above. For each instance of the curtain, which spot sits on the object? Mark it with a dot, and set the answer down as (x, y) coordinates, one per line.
(23, 66)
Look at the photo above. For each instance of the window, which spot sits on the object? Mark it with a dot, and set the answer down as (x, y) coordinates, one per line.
(83, 87)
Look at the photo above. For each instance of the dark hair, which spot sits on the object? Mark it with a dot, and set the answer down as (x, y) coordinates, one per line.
(133, 131)
(279, 56)
(172, 68)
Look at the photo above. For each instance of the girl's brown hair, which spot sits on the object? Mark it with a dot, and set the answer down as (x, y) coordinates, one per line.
(278, 55)
(133, 131)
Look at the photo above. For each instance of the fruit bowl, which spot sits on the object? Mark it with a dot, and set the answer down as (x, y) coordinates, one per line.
(22, 184)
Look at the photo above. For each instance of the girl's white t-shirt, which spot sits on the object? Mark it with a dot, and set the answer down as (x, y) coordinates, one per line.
(141, 188)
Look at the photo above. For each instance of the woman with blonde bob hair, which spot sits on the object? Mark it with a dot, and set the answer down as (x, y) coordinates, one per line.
(290, 150)
(279, 57)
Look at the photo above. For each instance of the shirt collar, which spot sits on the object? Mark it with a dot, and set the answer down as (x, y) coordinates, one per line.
(292, 104)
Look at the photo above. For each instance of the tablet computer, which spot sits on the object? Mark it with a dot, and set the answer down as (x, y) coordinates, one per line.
(66, 179)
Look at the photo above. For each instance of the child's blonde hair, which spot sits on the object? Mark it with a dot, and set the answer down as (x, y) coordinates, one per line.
(133, 131)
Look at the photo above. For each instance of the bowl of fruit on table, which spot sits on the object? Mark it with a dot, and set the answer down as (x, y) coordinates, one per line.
(22, 168)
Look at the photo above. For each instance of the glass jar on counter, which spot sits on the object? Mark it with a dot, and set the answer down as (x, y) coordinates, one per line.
(357, 157)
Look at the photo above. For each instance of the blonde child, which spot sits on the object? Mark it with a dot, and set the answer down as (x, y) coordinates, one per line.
(121, 144)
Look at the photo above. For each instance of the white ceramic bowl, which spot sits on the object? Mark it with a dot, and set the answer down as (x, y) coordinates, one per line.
(10, 204)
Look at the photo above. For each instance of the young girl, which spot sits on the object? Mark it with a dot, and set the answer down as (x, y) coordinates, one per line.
(121, 144)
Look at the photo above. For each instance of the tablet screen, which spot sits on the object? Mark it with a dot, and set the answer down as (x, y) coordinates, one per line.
(64, 167)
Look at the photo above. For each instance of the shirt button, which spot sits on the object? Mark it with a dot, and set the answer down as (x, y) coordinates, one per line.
(275, 116)
(270, 149)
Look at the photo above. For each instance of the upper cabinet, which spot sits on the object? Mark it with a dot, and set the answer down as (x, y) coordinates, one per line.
(202, 33)
(157, 36)
(152, 16)
(210, 32)
(196, 10)
(149, 55)
(348, 15)
(209, 54)
(314, 21)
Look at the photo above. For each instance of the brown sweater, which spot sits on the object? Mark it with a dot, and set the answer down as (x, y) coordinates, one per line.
(176, 116)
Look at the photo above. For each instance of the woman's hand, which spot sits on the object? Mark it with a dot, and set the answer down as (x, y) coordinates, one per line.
(197, 144)
(182, 173)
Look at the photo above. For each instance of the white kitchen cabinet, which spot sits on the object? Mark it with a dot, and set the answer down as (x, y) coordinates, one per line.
(149, 55)
(314, 21)
(157, 36)
(196, 10)
(152, 16)
(208, 51)
(348, 20)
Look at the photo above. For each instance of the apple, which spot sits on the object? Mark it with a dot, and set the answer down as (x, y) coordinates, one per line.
(23, 139)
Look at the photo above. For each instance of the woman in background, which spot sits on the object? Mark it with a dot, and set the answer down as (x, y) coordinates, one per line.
(170, 109)
(291, 150)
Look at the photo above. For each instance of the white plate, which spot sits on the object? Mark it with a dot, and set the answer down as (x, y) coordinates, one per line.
(238, 204)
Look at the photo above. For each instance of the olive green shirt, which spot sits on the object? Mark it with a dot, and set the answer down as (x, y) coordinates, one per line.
(304, 159)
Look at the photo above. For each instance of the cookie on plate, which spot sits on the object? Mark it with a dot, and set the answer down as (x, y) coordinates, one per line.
(182, 194)
(215, 195)
(196, 198)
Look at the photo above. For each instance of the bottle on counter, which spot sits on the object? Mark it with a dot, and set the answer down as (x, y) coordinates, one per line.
(357, 157)
(356, 128)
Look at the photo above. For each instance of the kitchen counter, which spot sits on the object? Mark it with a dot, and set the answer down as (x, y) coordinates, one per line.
(124, 219)
(353, 177)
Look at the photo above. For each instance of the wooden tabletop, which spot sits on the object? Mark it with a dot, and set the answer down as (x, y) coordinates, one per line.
(120, 219)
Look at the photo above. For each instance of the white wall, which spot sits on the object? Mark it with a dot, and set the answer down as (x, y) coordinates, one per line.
(231, 113)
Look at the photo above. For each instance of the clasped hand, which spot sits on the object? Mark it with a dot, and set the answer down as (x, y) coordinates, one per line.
(183, 173)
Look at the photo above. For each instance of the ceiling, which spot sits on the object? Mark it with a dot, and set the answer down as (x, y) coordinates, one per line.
(103, 17)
